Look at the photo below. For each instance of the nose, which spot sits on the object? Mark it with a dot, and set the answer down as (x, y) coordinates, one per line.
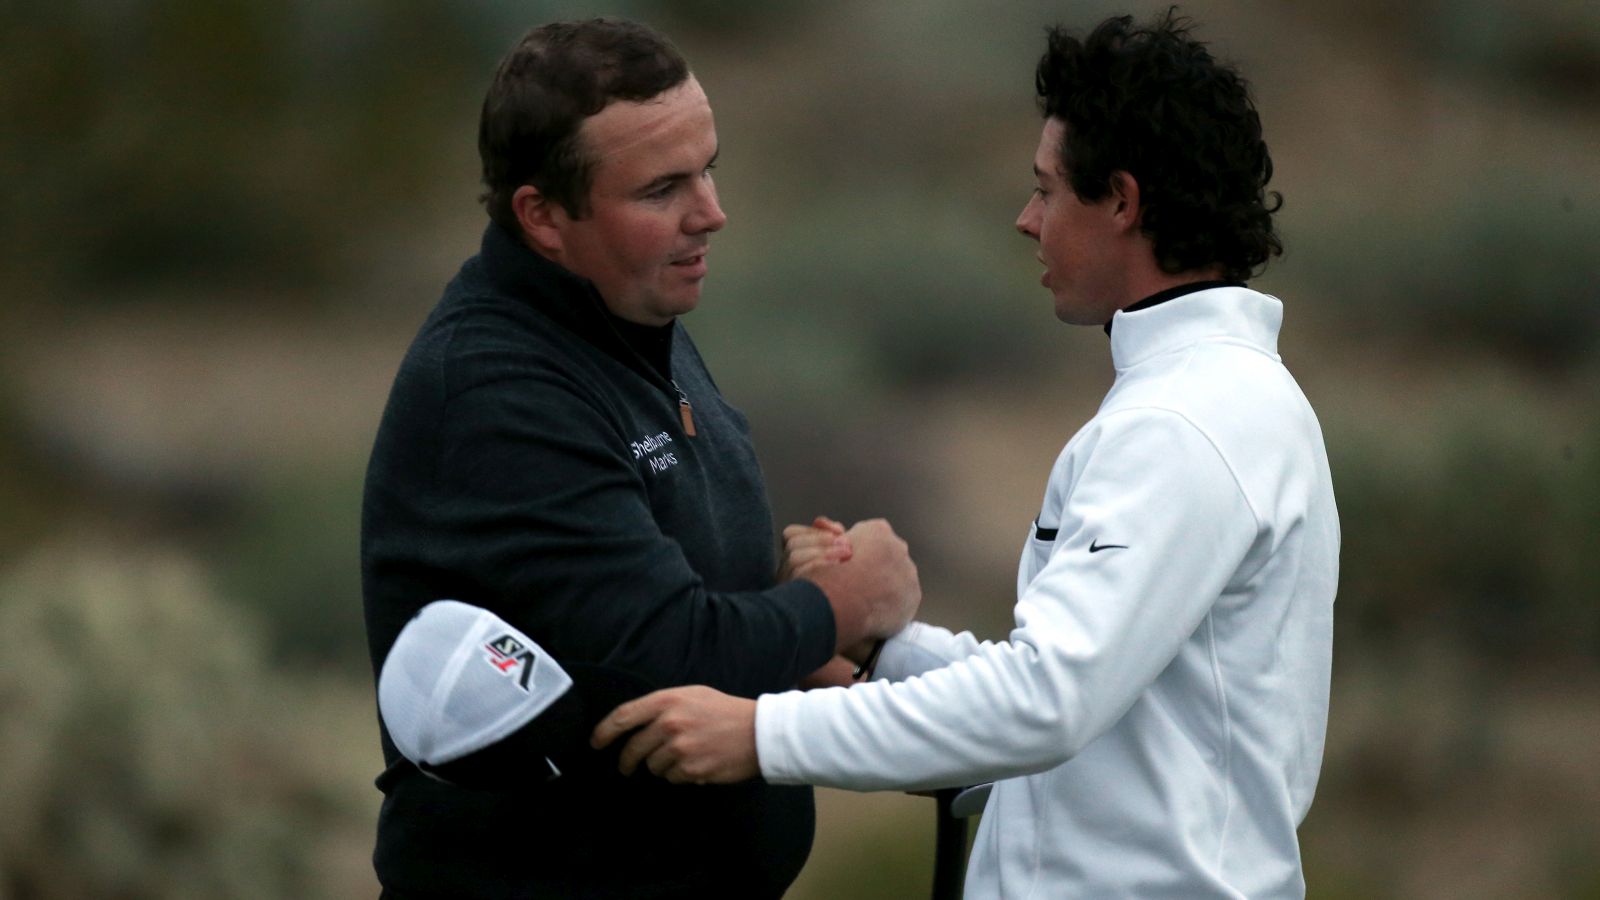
(1028, 219)
(707, 215)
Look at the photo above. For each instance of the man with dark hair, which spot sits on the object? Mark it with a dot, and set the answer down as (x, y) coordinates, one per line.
(555, 454)
(1155, 723)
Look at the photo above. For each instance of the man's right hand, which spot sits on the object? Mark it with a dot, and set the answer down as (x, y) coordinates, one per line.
(876, 592)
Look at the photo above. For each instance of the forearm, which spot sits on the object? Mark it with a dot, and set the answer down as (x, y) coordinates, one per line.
(934, 730)
(675, 632)
(751, 643)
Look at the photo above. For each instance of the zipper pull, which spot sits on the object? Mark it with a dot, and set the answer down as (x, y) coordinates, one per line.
(685, 411)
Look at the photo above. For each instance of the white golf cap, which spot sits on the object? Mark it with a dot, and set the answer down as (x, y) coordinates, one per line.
(458, 679)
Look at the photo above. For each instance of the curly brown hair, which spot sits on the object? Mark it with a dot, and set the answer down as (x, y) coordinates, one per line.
(1151, 101)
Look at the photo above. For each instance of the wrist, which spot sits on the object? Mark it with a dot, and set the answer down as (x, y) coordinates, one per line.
(858, 652)
(869, 663)
(850, 625)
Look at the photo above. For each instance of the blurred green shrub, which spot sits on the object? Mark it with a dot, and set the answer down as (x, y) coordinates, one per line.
(156, 141)
(1549, 48)
(149, 752)
(291, 557)
(1506, 264)
(1482, 523)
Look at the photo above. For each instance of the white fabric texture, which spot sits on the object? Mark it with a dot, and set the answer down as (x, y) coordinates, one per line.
(458, 679)
(1156, 719)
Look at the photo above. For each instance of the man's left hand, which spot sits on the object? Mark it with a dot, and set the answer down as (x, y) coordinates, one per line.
(687, 735)
(807, 546)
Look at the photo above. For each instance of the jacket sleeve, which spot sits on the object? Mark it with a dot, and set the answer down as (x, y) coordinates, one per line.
(921, 647)
(1093, 631)
(537, 499)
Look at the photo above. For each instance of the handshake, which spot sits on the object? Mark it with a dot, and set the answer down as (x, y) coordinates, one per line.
(701, 736)
(866, 573)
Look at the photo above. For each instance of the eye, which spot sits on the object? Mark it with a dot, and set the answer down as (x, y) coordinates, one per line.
(660, 193)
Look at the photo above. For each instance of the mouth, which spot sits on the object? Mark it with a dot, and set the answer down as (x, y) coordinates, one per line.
(692, 267)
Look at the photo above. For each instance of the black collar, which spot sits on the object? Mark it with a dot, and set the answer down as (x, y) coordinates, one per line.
(653, 342)
(572, 301)
(1172, 293)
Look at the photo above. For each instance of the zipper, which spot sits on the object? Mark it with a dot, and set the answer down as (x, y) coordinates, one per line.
(685, 410)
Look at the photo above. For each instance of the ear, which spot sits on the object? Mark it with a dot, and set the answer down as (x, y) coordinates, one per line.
(542, 221)
(1126, 210)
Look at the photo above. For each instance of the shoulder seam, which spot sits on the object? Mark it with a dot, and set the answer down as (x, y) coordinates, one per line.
(1233, 474)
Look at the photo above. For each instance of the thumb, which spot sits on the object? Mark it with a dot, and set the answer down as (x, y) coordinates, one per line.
(827, 524)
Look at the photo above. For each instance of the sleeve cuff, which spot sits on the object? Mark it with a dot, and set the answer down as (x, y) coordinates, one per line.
(775, 717)
(815, 629)
(918, 649)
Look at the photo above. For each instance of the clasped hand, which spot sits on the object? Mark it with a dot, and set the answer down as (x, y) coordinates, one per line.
(698, 735)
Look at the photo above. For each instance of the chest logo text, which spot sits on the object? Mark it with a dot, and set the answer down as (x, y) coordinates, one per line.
(653, 448)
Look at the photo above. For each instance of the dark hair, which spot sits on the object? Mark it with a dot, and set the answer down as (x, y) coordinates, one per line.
(1151, 101)
(558, 75)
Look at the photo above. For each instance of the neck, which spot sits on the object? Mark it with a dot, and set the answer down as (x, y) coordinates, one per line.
(1154, 281)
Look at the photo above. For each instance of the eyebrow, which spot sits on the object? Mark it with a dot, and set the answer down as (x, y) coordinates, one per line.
(676, 177)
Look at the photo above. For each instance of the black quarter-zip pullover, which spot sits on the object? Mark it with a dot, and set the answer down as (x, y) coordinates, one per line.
(531, 462)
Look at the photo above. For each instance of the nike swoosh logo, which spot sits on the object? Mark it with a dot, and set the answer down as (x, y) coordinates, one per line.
(1096, 548)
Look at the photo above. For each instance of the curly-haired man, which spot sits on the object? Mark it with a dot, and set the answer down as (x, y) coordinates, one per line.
(1155, 722)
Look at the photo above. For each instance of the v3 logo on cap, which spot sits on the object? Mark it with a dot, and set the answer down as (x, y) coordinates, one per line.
(505, 653)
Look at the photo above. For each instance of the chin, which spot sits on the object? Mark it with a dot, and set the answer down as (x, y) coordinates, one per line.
(1074, 316)
(679, 307)
(1078, 311)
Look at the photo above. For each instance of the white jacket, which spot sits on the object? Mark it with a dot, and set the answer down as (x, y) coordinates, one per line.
(1156, 720)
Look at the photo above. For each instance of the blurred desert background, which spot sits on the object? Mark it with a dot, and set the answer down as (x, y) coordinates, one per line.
(223, 220)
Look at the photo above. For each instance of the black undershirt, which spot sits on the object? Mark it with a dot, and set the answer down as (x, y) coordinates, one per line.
(653, 343)
(1172, 293)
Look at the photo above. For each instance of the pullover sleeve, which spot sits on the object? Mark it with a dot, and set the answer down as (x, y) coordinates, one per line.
(1093, 630)
(921, 647)
(538, 502)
